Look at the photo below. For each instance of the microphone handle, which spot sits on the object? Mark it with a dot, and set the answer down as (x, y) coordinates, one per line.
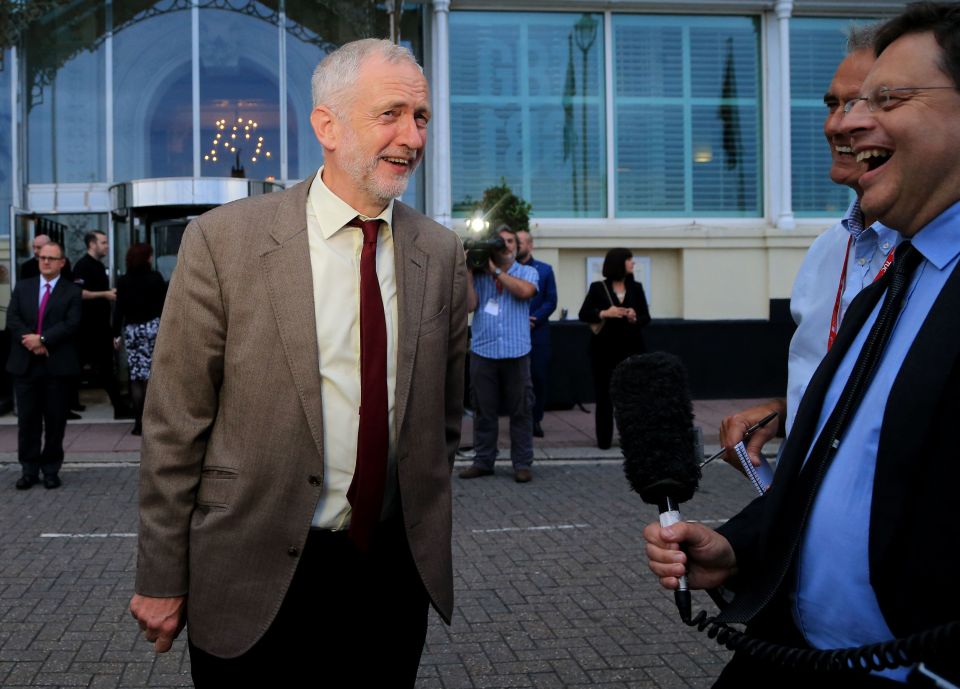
(669, 515)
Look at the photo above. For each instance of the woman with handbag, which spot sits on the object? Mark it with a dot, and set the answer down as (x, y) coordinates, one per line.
(615, 309)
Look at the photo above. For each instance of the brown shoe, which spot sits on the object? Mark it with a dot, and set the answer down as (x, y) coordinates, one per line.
(523, 476)
(475, 472)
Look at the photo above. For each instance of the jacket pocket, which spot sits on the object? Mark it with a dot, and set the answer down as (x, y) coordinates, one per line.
(217, 484)
(434, 322)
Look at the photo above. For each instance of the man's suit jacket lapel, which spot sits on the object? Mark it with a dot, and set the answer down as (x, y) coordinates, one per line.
(30, 304)
(285, 262)
(411, 268)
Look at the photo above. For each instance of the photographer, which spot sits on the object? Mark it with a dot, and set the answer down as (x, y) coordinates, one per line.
(498, 294)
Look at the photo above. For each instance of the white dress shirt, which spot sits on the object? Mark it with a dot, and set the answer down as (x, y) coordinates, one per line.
(335, 264)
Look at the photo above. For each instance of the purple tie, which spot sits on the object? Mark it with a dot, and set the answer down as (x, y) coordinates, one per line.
(43, 308)
(366, 490)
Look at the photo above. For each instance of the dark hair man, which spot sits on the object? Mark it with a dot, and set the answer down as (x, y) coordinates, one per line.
(43, 319)
(871, 452)
(96, 335)
(304, 409)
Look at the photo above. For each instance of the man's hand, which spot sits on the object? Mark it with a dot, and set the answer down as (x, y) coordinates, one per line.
(733, 427)
(533, 322)
(32, 342)
(161, 619)
(708, 562)
(110, 295)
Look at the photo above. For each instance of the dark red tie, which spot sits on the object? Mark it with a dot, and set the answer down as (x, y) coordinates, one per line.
(43, 309)
(366, 489)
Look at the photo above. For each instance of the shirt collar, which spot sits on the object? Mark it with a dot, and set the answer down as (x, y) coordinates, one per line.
(852, 222)
(52, 283)
(938, 240)
(333, 213)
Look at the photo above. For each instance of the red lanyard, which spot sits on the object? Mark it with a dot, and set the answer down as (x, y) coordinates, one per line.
(835, 319)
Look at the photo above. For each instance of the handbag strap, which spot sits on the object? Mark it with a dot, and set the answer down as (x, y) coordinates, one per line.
(607, 290)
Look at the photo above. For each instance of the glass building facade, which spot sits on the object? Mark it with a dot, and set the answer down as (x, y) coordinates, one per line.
(617, 126)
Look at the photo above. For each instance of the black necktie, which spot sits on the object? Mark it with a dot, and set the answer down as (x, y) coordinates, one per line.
(787, 533)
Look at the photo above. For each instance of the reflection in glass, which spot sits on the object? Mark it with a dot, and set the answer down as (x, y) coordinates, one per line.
(239, 80)
(152, 98)
(817, 46)
(517, 81)
(687, 115)
(64, 56)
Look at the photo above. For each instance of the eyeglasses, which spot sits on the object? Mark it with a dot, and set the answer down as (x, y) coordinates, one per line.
(49, 258)
(885, 98)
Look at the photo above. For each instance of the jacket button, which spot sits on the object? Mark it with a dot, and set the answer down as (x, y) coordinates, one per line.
(293, 551)
(314, 480)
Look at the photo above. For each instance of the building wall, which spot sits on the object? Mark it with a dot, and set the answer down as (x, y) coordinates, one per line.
(664, 127)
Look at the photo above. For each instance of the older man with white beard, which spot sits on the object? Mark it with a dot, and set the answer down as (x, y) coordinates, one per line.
(305, 407)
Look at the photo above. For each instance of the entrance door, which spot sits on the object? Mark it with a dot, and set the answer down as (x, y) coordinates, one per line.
(166, 238)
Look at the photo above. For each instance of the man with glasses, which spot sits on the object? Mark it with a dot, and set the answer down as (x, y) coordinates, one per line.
(855, 542)
(843, 260)
(43, 318)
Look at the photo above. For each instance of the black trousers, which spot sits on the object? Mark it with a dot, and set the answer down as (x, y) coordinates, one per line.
(41, 415)
(348, 620)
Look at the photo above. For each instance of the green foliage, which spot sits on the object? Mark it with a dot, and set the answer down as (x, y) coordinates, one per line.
(501, 206)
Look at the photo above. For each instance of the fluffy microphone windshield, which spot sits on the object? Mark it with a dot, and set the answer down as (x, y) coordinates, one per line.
(651, 403)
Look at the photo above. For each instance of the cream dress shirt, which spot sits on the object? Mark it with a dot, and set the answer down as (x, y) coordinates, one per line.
(335, 264)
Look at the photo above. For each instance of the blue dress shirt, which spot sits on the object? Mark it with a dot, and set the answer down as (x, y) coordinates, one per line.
(505, 335)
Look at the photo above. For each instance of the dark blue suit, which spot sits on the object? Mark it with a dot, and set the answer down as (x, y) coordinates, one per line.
(541, 306)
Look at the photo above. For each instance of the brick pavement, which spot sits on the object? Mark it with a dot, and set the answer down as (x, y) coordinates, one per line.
(551, 586)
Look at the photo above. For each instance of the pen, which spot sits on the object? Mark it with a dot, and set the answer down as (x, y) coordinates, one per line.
(746, 436)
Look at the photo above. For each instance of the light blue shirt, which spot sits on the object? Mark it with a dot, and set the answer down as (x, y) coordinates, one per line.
(815, 292)
(834, 603)
(501, 322)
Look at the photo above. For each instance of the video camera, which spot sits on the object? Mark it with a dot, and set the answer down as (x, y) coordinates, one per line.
(479, 251)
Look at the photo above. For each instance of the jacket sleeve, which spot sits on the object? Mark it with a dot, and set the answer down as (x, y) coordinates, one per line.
(456, 353)
(182, 403)
(15, 322)
(643, 311)
(590, 311)
(549, 292)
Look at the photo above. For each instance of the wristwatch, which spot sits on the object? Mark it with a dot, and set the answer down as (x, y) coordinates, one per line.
(43, 340)
(496, 272)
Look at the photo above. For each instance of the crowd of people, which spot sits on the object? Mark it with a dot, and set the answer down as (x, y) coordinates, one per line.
(269, 483)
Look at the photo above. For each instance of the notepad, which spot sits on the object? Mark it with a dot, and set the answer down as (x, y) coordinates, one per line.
(762, 476)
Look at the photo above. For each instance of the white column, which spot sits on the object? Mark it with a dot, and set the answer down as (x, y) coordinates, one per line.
(785, 220)
(440, 191)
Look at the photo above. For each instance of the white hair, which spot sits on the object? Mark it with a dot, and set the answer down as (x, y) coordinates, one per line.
(336, 75)
(861, 36)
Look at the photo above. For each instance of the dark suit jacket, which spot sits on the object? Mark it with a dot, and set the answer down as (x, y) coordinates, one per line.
(915, 521)
(60, 324)
(232, 459)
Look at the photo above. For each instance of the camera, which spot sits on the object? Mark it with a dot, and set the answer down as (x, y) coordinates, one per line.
(479, 251)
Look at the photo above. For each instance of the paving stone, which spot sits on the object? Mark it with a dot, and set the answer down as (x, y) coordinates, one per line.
(541, 605)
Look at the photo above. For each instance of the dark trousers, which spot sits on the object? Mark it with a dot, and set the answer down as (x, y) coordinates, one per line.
(539, 370)
(348, 619)
(41, 414)
(602, 368)
(508, 381)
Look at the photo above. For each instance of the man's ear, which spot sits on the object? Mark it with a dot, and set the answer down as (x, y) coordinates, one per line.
(325, 127)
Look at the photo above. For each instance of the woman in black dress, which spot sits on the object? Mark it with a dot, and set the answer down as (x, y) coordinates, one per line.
(616, 309)
(140, 295)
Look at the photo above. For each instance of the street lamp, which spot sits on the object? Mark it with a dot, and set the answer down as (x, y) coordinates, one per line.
(585, 31)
